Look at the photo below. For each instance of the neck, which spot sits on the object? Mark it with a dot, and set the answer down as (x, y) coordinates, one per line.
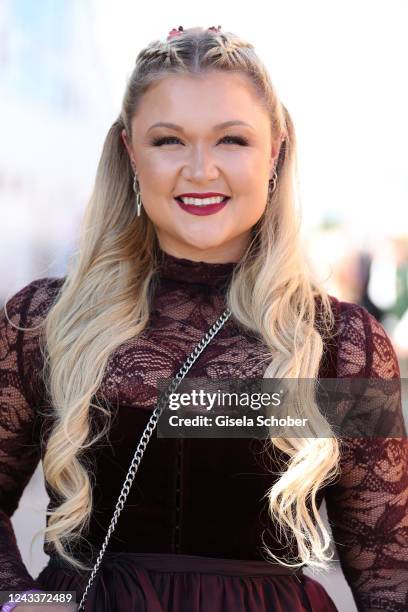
(184, 271)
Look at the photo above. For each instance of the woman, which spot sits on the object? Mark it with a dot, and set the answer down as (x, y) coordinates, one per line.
(193, 212)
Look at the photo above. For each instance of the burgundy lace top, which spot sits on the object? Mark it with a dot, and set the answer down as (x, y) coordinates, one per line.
(192, 496)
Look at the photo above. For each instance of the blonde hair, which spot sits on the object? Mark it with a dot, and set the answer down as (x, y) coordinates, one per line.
(104, 301)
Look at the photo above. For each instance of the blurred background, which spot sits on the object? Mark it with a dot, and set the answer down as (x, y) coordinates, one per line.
(337, 68)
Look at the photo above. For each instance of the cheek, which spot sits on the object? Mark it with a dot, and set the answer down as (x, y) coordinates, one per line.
(157, 175)
(253, 201)
(155, 169)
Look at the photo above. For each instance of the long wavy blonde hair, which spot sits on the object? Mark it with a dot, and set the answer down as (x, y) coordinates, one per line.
(104, 301)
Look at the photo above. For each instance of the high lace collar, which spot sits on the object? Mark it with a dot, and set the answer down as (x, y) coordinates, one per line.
(194, 272)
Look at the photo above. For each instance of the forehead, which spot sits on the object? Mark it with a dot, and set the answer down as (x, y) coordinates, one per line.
(213, 97)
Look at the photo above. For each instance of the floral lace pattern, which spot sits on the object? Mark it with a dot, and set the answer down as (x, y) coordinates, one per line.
(368, 505)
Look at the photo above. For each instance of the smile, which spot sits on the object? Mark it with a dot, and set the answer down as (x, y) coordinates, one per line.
(208, 206)
(202, 201)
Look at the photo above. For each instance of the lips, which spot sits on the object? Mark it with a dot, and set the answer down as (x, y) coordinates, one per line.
(178, 198)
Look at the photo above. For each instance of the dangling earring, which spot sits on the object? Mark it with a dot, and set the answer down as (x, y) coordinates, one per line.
(137, 192)
(272, 186)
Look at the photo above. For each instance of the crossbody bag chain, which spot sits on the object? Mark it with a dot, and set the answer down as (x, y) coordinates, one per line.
(191, 359)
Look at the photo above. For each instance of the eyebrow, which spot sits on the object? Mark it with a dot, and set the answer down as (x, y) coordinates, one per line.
(219, 126)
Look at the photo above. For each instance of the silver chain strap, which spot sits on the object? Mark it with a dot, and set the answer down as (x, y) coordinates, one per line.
(191, 359)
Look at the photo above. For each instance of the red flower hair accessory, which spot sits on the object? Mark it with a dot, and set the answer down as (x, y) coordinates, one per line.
(173, 33)
(178, 32)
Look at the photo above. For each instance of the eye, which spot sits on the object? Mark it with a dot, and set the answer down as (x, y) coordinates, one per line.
(236, 139)
(157, 142)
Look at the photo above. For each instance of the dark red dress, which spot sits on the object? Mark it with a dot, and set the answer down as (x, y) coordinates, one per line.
(190, 536)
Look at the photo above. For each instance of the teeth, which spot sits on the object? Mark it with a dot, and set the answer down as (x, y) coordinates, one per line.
(203, 201)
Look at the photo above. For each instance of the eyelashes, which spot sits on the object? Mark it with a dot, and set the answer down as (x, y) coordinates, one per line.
(157, 142)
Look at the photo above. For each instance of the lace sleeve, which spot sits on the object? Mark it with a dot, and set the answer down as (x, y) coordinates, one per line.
(367, 506)
(19, 450)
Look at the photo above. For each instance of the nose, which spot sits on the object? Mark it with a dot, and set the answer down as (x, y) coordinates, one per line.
(201, 166)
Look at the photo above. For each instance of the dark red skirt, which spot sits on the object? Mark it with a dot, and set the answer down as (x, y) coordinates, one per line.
(139, 582)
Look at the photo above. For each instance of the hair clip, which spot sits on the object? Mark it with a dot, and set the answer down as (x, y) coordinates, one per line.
(174, 33)
(177, 32)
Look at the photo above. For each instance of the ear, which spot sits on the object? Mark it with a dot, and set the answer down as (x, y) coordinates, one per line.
(127, 145)
(275, 149)
(124, 138)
